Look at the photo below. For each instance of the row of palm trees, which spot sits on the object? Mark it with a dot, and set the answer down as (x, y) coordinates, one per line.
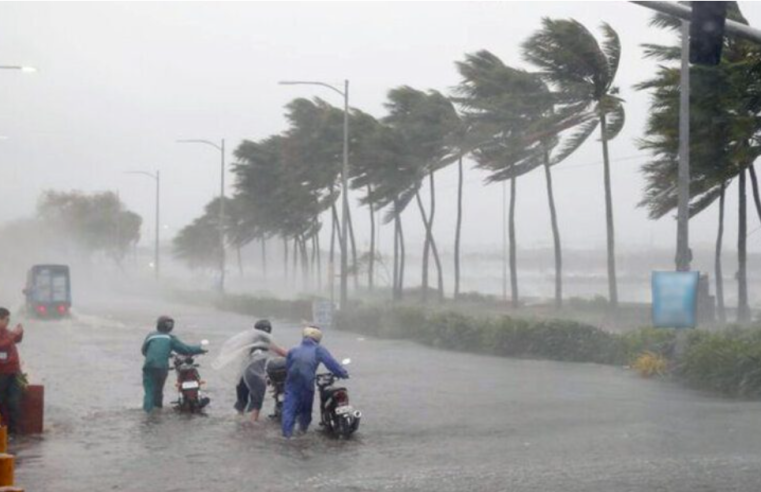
(510, 121)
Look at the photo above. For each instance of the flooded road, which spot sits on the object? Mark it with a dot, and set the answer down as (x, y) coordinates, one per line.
(433, 421)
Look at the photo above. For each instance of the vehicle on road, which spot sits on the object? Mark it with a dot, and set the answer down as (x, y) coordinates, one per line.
(337, 416)
(48, 291)
(191, 398)
(276, 373)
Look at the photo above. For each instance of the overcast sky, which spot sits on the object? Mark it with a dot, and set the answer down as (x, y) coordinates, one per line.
(118, 83)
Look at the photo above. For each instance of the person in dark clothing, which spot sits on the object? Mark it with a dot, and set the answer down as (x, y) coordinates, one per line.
(157, 348)
(10, 371)
(302, 363)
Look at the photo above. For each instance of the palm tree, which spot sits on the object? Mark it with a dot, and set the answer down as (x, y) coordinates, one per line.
(513, 129)
(582, 71)
(425, 122)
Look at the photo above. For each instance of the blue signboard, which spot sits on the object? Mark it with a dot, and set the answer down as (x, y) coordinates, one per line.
(675, 299)
(322, 314)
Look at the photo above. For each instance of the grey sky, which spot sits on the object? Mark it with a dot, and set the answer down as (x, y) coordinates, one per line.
(118, 83)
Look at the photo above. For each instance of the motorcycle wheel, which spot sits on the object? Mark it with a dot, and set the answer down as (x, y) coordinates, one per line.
(345, 428)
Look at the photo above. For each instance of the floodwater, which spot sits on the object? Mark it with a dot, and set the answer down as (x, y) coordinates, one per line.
(433, 421)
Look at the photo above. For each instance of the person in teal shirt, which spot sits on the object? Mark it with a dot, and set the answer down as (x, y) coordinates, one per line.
(157, 348)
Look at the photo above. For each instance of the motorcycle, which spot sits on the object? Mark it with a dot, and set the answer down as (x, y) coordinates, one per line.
(337, 416)
(190, 397)
(276, 372)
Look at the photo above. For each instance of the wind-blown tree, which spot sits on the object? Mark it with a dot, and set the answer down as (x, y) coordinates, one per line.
(362, 148)
(388, 174)
(425, 123)
(316, 136)
(279, 194)
(513, 130)
(95, 223)
(197, 244)
(724, 127)
(581, 72)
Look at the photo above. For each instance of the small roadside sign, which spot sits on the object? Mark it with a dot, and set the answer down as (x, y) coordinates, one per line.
(322, 313)
(675, 299)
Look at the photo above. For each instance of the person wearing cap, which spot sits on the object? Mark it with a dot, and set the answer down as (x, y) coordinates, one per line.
(252, 387)
(302, 363)
(157, 348)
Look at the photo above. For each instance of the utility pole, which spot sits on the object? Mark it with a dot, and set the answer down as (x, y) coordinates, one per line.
(683, 194)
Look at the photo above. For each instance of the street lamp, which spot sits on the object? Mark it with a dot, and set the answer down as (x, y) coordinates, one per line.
(221, 148)
(21, 68)
(157, 178)
(344, 180)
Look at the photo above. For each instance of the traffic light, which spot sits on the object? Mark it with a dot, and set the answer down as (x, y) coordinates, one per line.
(707, 32)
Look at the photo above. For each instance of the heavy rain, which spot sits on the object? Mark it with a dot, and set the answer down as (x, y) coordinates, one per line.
(365, 246)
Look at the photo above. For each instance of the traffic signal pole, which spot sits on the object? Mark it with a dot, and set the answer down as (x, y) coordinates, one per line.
(683, 12)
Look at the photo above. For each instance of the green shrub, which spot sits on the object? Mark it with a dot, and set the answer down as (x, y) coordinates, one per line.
(659, 341)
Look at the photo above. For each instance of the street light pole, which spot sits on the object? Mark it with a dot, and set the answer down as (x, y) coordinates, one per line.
(221, 148)
(683, 193)
(156, 256)
(344, 184)
(21, 68)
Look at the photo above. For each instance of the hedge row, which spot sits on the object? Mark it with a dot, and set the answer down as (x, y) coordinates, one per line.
(503, 335)
(728, 362)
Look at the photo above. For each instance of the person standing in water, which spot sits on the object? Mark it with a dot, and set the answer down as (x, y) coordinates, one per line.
(252, 386)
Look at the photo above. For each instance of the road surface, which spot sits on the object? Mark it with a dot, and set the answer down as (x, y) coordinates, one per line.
(433, 421)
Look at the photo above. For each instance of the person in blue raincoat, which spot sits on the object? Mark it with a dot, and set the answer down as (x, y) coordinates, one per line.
(157, 348)
(302, 362)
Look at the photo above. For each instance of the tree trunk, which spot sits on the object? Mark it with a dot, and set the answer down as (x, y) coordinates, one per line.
(353, 241)
(402, 255)
(371, 260)
(743, 310)
(458, 231)
(264, 257)
(305, 265)
(612, 283)
(318, 262)
(426, 251)
(395, 288)
(285, 259)
(432, 244)
(555, 234)
(754, 183)
(240, 259)
(296, 254)
(434, 248)
(513, 247)
(718, 273)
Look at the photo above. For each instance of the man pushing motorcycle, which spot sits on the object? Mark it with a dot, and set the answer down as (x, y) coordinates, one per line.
(302, 362)
(157, 348)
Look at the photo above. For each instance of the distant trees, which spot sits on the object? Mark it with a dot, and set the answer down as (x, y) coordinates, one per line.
(94, 223)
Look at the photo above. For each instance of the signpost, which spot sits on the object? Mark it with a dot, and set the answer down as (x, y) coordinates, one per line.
(322, 313)
(675, 299)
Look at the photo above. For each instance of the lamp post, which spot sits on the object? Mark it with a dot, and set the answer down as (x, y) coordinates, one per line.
(221, 148)
(21, 68)
(344, 181)
(157, 178)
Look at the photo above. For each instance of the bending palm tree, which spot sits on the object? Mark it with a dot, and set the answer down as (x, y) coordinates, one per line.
(582, 73)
